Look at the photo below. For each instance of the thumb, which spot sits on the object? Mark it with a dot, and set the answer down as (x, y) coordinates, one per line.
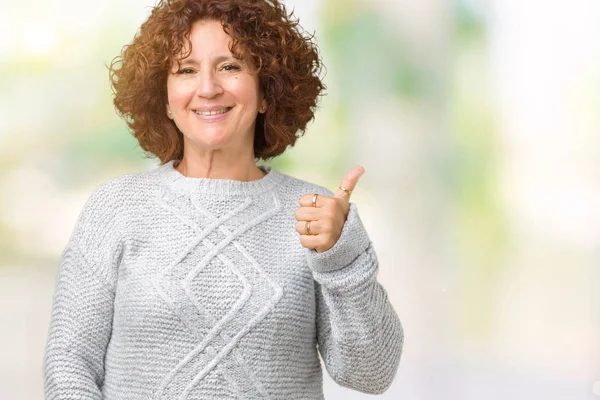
(349, 182)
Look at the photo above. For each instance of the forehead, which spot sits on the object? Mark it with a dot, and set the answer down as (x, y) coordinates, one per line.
(207, 39)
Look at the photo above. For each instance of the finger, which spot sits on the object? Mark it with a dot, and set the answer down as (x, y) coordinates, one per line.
(310, 241)
(308, 214)
(307, 200)
(315, 228)
(349, 182)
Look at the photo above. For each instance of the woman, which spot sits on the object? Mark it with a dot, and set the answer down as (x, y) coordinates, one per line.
(189, 281)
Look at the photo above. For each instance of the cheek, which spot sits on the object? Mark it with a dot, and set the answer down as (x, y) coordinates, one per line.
(177, 94)
(246, 91)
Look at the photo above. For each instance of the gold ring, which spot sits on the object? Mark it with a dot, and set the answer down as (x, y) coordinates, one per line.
(307, 228)
(314, 200)
(346, 190)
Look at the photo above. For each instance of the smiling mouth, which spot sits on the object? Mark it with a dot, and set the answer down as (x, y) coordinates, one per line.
(214, 112)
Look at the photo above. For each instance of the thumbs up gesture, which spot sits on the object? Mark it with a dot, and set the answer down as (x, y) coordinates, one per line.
(320, 218)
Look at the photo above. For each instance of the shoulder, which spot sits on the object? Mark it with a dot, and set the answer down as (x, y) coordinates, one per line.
(113, 198)
(123, 190)
(108, 208)
(298, 187)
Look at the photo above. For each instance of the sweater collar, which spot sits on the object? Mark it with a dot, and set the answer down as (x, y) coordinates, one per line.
(174, 179)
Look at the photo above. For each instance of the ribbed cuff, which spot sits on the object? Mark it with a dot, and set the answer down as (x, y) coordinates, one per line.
(352, 242)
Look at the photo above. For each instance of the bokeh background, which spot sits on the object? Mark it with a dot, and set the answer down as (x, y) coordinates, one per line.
(478, 123)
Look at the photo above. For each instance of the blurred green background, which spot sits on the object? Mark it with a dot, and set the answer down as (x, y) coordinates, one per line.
(478, 125)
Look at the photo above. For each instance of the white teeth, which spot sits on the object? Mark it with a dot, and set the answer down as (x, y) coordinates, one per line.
(215, 112)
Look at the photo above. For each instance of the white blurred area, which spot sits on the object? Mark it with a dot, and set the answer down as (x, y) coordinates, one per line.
(509, 315)
(547, 77)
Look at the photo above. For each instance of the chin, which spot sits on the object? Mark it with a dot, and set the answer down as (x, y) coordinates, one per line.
(214, 140)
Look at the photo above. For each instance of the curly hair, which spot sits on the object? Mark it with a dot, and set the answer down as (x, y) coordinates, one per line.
(286, 61)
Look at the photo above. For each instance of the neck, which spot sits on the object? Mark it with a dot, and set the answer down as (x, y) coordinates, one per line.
(216, 164)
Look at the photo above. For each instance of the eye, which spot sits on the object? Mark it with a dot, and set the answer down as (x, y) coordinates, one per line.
(185, 71)
(230, 67)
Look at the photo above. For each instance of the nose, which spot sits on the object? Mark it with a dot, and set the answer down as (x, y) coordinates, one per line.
(208, 85)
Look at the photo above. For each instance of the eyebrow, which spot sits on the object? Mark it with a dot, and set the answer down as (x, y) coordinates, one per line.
(217, 59)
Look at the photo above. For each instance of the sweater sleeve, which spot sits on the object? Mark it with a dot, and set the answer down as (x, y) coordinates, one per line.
(81, 320)
(359, 334)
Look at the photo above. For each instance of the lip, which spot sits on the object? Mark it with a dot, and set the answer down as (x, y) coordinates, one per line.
(211, 108)
(211, 118)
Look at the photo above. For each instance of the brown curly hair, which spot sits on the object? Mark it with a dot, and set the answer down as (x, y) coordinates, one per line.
(285, 59)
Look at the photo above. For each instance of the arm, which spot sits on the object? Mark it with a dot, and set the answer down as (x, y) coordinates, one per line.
(359, 334)
(81, 321)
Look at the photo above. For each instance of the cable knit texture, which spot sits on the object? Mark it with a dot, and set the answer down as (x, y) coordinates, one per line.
(173, 287)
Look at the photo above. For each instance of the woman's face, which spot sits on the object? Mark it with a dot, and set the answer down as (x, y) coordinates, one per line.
(212, 97)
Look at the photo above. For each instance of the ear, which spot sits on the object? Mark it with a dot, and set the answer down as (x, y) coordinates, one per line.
(263, 106)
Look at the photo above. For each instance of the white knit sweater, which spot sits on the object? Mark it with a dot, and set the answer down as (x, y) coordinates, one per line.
(173, 287)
